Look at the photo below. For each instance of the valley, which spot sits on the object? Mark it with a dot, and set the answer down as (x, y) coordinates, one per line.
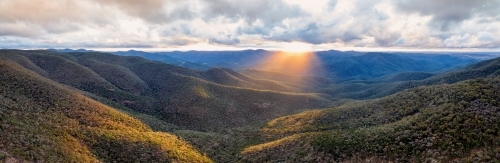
(248, 106)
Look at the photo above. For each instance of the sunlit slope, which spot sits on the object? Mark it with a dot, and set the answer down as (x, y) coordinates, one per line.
(42, 121)
(443, 123)
(188, 98)
(231, 78)
(305, 83)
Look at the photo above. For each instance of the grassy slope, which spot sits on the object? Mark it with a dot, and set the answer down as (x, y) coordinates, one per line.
(44, 121)
(458, 122)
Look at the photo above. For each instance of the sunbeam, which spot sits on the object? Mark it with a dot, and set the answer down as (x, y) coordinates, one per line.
(292, 63)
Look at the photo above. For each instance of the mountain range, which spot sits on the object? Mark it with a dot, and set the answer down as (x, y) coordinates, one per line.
(342, 66)
(248, 106)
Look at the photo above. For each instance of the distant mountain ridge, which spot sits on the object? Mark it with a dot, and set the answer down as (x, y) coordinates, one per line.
(341, 66)
(391, 84)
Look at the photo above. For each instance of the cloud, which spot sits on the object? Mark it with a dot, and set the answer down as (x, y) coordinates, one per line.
(332, 4)
(154, 11)
(19, 29)
(355, 23)
(448, 13)
(40, 11)
(268, 11)
(49, 16)
(147, 9)
(250, 23)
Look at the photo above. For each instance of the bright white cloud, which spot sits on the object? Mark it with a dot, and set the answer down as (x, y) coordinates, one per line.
(228, 24)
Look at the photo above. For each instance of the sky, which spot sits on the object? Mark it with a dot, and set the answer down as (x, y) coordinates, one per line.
(295, 25)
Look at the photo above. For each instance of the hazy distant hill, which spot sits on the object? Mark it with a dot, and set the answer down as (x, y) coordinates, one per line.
(227, 59)
(164, 59)
(388, 85)
(373, 65)
(340, 66)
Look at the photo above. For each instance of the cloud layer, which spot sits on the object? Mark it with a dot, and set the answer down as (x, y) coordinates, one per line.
(326, 24)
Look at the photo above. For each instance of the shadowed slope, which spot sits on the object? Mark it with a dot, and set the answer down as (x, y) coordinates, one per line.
(119, 76)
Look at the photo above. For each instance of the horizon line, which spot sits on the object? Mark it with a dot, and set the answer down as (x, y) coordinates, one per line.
(357, 49)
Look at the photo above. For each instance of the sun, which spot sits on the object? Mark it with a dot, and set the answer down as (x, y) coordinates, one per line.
(296, 47)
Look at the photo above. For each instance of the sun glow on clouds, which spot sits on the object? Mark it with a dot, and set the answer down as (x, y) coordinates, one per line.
(282, 25)
(296, 47)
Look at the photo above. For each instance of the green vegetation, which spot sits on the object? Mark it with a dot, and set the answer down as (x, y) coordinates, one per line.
(183, 97)
(165, 97)
(45, 121)
(459, 122)
(98, 107)
(389, 85)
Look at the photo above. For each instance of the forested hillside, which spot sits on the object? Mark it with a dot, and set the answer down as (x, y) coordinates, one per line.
(202, 100)
(445, 123)
(99, 107)
(42, 121)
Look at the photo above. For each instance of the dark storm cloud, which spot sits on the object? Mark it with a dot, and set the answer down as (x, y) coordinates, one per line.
(448, 13)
